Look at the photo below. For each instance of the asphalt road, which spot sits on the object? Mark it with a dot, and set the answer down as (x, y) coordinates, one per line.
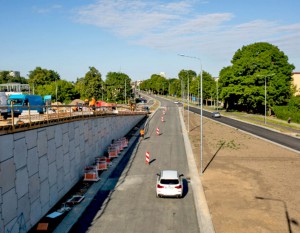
(279, 138)
(129, 202)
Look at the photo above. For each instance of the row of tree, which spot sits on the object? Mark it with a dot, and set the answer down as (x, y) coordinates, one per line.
(116, 87)
(255, 70)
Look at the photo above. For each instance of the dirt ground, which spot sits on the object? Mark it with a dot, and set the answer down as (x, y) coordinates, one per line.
(250, 184)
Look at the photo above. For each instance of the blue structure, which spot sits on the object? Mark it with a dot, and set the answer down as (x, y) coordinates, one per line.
(22, 102)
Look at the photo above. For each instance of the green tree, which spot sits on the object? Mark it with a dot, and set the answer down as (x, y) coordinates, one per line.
(5, 77)
(117, 87)
(40, 76)
(243, 83)
(64, 90)
(90, 85)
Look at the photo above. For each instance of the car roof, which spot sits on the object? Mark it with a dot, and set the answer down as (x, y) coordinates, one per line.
(169, 174)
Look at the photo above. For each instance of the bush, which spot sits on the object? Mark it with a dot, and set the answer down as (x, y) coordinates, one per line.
(284, 112)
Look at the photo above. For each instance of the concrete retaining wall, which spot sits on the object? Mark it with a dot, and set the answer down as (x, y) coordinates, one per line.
(38, 167)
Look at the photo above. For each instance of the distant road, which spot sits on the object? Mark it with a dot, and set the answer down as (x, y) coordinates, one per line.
(279, 138)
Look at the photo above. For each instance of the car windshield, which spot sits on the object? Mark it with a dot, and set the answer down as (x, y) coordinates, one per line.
(15, 101)
(171, 181)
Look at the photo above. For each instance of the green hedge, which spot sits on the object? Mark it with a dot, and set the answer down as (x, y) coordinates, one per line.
(284, 112)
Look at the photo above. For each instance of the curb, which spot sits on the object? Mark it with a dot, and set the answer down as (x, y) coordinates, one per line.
(203, 215)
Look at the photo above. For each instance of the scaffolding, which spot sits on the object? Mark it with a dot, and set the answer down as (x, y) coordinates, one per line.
(14, 87)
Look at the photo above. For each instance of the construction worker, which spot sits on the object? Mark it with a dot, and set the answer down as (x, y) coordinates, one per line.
(93, 103)
(142, 133)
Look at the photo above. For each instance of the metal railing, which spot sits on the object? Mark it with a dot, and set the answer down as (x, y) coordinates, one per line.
(30, 117)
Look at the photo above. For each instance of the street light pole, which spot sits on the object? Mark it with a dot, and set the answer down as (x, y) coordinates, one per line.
(188, 103)
(201, 111)
(265, 76)
(265, 100)
(217, 95)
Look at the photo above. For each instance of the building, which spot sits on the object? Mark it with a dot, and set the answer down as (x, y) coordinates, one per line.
(15, 74)
(296, 82)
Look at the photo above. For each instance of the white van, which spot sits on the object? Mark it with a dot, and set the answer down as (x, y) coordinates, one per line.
(3, 105)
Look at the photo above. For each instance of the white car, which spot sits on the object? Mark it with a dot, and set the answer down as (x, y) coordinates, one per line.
(216, 115)
(169, 184)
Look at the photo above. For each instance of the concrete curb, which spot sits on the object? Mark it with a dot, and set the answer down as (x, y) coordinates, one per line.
(203, 214)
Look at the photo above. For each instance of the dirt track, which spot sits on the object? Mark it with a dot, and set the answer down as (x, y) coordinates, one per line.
(251, 185)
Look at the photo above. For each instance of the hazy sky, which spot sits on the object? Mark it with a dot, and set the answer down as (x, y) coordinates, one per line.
(141, 37)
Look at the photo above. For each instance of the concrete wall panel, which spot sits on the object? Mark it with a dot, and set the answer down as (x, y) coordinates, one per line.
(20, 153)
(7, 175)
(6, 147)
(38, 167)
(22, 182)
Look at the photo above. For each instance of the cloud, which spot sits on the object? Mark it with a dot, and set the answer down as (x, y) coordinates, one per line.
(45, 10)
(177, 26)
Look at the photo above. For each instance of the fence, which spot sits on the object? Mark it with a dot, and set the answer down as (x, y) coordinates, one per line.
(56, 114)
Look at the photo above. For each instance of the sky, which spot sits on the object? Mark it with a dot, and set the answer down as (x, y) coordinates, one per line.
(141, 37)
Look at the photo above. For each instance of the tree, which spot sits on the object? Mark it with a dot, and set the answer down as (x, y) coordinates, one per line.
(186, 76)
(65, 91)
(242, 84)
(5, 77)
(117, 84)
(90, 85)
(40, 76)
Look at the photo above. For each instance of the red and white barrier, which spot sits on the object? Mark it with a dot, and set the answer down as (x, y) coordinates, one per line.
(91, 173)
(113, 151)
(162, 119)
(147, 157)
(101, 163)
(157, 131)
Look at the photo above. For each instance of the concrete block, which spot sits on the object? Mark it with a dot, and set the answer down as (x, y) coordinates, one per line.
(60, 179)
(77, 157)
(34, 188)
(42, 142)
(31, 138)
(35, 212)
(2, 230)
(19, 135)
(52, 176)
(24, 208)
(53, 195)
(6, 147)
(65, 128)
(66, 141)
(72, 149)
(67, 164)
(71, 130)
(9, 206)
(32, 161)
(22, 182)
(50, 133)
(51, 150)
(77, 136)
(58, 136)
(43, 167)
(45, 194)
(59, 157)
(7, 175)
(20, 153)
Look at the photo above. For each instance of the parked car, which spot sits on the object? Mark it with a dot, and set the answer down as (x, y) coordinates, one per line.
(216, 115)
(169, 184)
